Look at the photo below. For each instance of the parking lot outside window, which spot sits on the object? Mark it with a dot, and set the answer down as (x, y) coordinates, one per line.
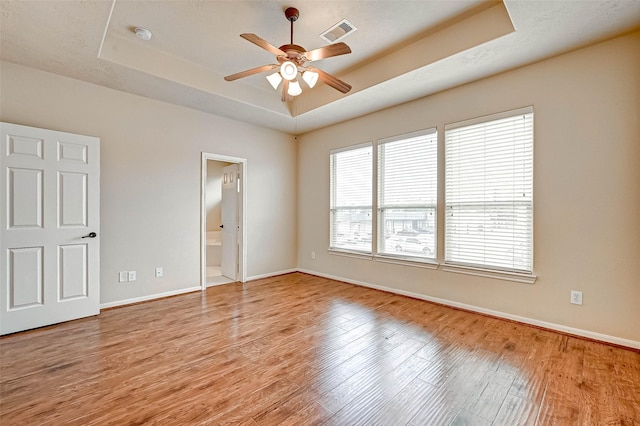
(351, 171)
(407, 195)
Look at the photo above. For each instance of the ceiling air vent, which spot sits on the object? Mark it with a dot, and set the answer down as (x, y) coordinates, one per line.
(338, 31)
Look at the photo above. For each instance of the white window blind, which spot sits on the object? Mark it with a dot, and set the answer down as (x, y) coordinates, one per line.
(489, 192)
(351, 198)
(407, 195)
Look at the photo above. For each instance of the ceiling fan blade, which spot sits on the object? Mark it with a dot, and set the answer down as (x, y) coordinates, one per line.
(327, 52)
(258, 41)
(332, 81)
(285, 91)
(252, 71)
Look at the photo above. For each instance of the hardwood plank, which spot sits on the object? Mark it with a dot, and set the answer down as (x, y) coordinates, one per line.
(516, 410)
(303, 350)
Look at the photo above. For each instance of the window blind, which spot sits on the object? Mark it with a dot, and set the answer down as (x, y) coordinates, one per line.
(489, 192)
(351, 193)
(407, 195)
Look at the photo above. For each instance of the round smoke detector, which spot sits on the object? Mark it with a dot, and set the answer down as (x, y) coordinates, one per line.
(143, 33)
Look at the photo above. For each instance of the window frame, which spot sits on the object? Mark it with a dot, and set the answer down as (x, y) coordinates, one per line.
(439, 261)
(333, 209)
(526, 276)
(379, 207)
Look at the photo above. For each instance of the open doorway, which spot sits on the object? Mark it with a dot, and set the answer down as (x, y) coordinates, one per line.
(223, 219)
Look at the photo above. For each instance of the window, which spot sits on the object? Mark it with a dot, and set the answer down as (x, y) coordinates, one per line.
(407, 195)
(489, 192)
(351, 193)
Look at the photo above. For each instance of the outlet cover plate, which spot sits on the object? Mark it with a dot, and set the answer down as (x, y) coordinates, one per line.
(576, 297)
(132, 275)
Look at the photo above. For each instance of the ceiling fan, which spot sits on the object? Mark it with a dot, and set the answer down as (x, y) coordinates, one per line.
(292, 60)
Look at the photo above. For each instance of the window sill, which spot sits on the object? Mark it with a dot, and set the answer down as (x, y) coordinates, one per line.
(353, 254)
(417, 263)
(488, 273)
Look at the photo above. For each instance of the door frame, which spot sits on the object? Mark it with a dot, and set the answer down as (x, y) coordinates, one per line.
(242, 235)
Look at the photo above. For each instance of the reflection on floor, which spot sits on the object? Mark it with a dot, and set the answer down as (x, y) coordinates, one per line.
(215, 277)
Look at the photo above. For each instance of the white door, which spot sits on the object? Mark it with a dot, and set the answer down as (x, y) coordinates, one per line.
(230, 189)
(49, 227)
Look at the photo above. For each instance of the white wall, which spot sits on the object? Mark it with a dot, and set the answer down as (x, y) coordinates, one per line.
(150, 187)
(586, 190)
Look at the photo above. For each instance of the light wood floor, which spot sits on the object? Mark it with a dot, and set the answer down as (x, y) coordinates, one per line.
(301, 350)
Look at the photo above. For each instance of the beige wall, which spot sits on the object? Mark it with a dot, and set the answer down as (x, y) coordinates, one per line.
(150, 178)
(586, 190)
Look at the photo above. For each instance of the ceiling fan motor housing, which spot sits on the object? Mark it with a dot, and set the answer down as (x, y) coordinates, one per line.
(292, 14)
(294, 53)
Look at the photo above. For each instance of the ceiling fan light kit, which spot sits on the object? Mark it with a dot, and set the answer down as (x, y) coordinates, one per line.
(274, 79)
(294, 88)
(288, 70)
(292, 61)
(310, 77)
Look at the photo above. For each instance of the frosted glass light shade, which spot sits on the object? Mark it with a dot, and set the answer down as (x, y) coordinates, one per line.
(274, 79)
(310, 78)
(288, 70)
(294, 88)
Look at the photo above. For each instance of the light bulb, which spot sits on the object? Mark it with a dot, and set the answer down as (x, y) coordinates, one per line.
(310, 78)
(294, 88)
(274, 79)
(288, 70)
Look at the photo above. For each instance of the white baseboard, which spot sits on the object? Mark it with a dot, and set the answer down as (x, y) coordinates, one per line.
(149, 297)
(538, 323)
(187, 290)
(272, 274)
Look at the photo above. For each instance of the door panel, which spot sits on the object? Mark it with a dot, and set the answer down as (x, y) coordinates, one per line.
(73, 271)
(25, 198)
(230, 221)
(24, 146)
(50, 183)
(72, 152)
(25, 277)
(72, 190)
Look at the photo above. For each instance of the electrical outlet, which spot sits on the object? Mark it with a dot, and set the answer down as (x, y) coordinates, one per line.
(123, 276)
(576, 297)
(159, 272)
(313, 254)
(132, 275)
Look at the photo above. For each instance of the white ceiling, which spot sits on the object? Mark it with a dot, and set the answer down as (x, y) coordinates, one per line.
(402, 50)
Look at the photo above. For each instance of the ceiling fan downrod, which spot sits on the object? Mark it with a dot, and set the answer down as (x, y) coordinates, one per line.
(292, 15)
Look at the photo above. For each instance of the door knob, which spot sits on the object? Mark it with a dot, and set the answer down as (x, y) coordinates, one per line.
(90, 235)
(221, 226)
